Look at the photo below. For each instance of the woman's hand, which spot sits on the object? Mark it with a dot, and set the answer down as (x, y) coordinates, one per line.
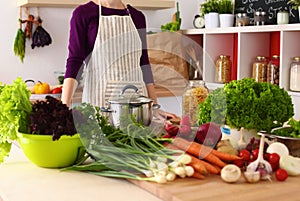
(163, 115)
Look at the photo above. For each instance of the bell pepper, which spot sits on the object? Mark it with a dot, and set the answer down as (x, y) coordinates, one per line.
(57, 90)
(41, 88)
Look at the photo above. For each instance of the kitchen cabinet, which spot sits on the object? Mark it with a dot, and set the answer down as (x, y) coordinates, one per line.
(243, 44)
(141, 4)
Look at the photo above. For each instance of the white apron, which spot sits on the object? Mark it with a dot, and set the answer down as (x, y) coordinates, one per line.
(114, 62)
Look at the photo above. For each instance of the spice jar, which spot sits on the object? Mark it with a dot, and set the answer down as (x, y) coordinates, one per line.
(223, 69)
(260, 69)
(194, 94)
(273, 70)
(295, 74)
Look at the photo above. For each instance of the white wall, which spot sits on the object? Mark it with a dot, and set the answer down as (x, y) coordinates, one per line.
(40, 63)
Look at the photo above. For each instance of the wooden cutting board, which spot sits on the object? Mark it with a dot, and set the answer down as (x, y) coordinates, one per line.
(212, 188)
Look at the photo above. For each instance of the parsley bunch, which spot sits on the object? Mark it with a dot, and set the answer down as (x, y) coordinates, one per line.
(249, 104)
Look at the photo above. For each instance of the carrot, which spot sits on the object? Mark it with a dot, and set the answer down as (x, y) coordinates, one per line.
(198, 150)
(198, 175)
(218, 168)
(208, 167)
(198, 165)
(225, 156)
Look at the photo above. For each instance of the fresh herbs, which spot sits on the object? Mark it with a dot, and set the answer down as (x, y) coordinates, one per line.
(248, 104)
(293, 130)
(51, 117)
(15, 106)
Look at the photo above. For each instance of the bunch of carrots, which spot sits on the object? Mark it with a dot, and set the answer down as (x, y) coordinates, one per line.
(205, 160)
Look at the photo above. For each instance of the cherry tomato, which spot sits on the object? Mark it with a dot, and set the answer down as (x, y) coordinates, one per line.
(244, 154)
(254, 154)
(274, 158)
(239, 163)
(281, 174)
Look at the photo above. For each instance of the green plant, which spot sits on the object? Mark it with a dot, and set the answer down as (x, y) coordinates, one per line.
(295, 3)
(248, 104)
(209, 6)
(225, 7)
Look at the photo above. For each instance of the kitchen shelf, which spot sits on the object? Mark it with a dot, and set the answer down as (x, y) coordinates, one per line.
(243, 44)
(140, 4)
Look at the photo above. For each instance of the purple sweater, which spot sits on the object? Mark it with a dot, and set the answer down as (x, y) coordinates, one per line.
(83, 31)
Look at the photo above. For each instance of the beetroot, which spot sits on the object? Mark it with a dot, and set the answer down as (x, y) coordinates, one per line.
(209, 134)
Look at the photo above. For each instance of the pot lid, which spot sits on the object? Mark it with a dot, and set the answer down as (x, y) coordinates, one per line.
(130, 98)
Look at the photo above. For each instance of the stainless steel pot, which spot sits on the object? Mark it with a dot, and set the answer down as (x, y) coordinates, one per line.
(128, 106)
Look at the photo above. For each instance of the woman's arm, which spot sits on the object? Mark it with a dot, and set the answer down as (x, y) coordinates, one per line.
(69, 87)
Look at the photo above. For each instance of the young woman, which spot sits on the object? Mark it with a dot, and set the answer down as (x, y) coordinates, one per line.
(109, 39)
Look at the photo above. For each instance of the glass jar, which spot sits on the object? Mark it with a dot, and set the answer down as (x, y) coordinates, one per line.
(260, 69)
(223, 69)
(241, 19)
(282, 17)
(194, 94)
(273, 70)
(295, 74)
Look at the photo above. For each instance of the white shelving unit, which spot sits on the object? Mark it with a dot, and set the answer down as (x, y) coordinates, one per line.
(251, 42)
(141, 4)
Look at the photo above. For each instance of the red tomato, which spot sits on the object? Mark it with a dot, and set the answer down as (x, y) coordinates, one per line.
(274, 158)
(254, 154)
(57, 90)
(239, 163)
(281, 174)
(244, 154)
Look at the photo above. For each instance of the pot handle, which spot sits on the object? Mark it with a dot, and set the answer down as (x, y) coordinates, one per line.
(129, 86)
(103, 109)
(156, 106)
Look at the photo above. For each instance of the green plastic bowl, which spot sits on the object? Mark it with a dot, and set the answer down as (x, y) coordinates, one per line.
(44, 152)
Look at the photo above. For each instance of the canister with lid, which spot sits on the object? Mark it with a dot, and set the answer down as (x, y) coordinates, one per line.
(223, 69)
(273, 70)
(260, 69)
(295, 74)
(194, 94)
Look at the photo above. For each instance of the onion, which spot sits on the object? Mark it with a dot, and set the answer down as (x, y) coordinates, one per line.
(209, 134)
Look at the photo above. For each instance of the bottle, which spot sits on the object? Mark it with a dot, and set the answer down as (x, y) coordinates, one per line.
(223, 69)
(273, 70)
(260, 69)
(194, 94)
(295, 74)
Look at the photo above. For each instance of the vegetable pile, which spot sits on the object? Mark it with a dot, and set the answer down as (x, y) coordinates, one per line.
(135, 152)
(175, 24)
(248, 104)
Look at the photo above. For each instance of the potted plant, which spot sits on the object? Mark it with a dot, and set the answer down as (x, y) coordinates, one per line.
(44, 129)
(225, 9)
(247, 104)
(296, 5)
(209, 9)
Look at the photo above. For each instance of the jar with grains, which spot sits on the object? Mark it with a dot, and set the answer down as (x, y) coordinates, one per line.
(223, 69)
(260, 69)
(194, 94)
(273, 70)
(295, 74)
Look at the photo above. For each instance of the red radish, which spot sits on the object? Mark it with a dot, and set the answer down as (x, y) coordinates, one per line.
(185, 125)
(185, 120)
(171, 129)
(209, 134)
